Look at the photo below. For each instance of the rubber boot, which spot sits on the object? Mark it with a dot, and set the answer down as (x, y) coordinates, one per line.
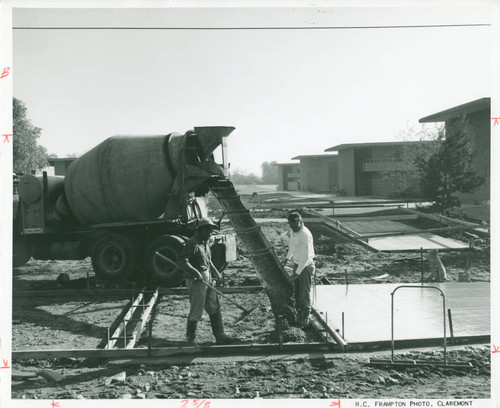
(303, 320)
(306, 322)
(191, 333)
(218, 330)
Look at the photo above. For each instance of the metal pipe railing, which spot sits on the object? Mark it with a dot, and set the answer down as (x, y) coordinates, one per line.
(392, 315)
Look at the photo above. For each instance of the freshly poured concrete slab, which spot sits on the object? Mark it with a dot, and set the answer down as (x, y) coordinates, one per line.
(378, 226)
(418, 311)
(421, 239)
(415, 242)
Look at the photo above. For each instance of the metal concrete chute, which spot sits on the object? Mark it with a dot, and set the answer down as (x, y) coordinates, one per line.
(209, 138)
(260, 252)
(192, 158)
(195, 147)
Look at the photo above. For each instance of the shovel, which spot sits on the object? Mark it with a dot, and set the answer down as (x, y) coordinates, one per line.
(245, 313)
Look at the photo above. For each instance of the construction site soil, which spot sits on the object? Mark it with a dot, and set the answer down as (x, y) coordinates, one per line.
(81, 322)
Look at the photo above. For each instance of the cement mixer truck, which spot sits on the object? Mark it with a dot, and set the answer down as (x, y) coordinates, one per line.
(122, 201)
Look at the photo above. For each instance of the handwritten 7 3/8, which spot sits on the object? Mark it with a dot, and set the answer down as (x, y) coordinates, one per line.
(197, 403)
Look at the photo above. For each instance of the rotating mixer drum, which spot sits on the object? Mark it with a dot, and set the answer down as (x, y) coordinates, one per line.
(122, 178)
(131, 177)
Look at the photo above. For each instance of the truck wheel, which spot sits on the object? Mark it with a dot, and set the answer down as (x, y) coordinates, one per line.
(158, 270)
(21, 253)
(114, 257)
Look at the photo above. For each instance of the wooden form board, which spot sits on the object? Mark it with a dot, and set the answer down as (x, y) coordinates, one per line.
(421, 239)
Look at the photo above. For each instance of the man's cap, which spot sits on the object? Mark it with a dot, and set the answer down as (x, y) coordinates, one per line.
(204, 222)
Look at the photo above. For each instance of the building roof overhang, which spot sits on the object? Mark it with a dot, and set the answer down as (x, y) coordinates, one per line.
(288, 164)
(469, 107)
(61, 159)
(314, 156)
(374, 144)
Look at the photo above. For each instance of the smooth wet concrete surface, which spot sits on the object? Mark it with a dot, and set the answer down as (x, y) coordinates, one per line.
(425, 241)
(421, 239)
(418, 312)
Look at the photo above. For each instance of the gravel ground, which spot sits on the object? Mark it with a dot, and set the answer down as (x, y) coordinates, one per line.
(308, 376)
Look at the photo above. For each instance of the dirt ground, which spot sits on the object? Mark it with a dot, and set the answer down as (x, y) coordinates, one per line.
(336, 255)
(305, 376)
(82, 321)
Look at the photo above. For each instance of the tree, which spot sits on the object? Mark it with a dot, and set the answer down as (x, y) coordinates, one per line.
(269, 172)
(403, 173)
(450, 170)
(242, 177)
(27, 154)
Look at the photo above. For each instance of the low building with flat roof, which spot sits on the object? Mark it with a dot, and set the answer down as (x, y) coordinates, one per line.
(289, 176)
(318, 172)
(362, 167)
(60, 165)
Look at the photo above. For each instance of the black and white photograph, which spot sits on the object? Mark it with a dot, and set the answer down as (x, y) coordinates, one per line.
(212, 203)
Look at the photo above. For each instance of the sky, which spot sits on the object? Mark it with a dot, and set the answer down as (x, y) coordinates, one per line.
(288, 91)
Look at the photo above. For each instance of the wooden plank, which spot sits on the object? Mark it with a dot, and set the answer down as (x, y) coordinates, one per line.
(415, 343)
(121, 292)
(331, 330)
(240, 349)
(333, 222)
(375, 226)
(414, 232)
(236, 350)
(136, 332)
(122, 326)
(442, 218)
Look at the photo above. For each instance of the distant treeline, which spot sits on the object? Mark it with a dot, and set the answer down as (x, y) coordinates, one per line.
(269, 175)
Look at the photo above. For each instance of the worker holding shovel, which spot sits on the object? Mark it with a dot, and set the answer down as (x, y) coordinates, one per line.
(195, 260)
(301, 251)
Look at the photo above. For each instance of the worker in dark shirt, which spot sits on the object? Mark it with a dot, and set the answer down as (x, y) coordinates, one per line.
(195, 258)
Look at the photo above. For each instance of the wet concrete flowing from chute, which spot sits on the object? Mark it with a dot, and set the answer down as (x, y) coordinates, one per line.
(261, 253)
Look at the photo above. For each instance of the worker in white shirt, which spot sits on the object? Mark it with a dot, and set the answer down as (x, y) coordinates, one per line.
(301, 251)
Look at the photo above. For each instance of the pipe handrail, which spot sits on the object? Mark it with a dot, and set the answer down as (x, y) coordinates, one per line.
(392, 315)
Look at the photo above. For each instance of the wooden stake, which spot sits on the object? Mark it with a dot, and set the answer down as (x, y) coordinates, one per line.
(450, 322)
(421, 265)
(343, 336)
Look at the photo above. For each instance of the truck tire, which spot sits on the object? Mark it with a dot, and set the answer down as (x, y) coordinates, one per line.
(21, 253)
(114, 257)
(160, 271)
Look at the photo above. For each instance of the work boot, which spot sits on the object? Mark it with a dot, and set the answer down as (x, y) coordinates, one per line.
(303, 321)
(191, 333)
(218, 330)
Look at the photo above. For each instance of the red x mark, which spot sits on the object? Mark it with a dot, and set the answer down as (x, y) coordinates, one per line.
(6, 137)
(335, 404)
(5, 72)
(5, 364)
(496, 349)
(54, 404)
(496, 121)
